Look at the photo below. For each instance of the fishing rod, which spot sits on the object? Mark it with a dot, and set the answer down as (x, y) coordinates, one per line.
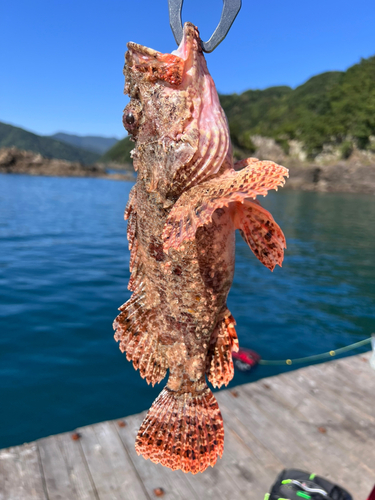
(246, 359)
(317, 357)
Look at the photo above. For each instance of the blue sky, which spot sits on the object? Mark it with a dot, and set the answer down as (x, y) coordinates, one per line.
(61, 60)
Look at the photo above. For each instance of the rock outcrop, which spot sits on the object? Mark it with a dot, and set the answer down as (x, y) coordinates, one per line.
(15, 161)
(355, 175)
(327, 173)
(343, 176)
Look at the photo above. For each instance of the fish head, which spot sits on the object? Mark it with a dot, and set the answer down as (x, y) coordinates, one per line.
(172, 109)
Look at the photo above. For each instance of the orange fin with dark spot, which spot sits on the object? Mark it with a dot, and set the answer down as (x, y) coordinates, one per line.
(223, 342)
(260, 231)
(196, 206)
(136, 330)
(182, 431)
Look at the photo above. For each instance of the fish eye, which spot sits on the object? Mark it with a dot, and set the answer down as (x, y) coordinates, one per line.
(129, 118)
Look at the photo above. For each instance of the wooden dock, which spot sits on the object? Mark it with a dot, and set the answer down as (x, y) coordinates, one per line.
(320, 418)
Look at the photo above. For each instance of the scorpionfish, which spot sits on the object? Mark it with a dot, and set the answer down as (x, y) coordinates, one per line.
(188, 200)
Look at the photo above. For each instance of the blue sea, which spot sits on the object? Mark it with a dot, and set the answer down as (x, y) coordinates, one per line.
(64, 272)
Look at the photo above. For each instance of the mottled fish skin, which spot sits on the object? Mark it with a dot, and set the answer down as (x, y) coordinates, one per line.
(182, 215)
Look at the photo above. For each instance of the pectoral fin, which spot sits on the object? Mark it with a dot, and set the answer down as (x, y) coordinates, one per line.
(260, 231)
(233, 189)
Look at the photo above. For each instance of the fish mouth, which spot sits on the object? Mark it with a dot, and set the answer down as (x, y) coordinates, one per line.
(170, 68)
(190, 43)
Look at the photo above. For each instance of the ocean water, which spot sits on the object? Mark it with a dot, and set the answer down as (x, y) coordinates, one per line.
(64, 272)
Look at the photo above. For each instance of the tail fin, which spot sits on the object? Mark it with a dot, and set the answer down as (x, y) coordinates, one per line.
(182, 431)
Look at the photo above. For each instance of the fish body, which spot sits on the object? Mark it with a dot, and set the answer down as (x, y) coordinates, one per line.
(182, 215)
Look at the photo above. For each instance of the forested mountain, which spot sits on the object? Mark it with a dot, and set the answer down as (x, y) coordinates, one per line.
(331, 108)
(120, 152)
(50, 148)
(93, 143)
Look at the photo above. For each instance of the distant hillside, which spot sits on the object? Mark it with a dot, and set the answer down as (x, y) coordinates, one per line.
(93, 143)
(334, 108)
(120, 152)
(49, 148)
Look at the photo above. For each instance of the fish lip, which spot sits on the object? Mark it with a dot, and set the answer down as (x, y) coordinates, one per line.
(141, 50)
(190, 42)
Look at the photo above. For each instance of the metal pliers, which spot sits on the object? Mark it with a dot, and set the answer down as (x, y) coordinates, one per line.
(230, 10)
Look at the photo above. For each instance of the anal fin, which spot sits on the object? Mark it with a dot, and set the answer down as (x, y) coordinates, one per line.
(223, 342)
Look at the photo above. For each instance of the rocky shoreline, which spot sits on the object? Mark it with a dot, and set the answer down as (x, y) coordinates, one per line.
(340, 177)
(15, 161)
(355, 175)
(328, 172)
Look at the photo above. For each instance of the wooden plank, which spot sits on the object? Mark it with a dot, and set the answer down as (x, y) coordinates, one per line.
(253, 472)
(238, 474)
(359, 363)
(252, 480)
(325, 455)
(213, 483)
(77, 468)
(352, 434)
(110, 467)
(198, 486)
(20, 474)
(336, 392)
(261, 453)
(321, 390)
(274, 436)
(345, 391)
(359, 381)
(174, 484)
(271, 424)
(232, 476)
(355, 435)
(55, 471)
(358, 369)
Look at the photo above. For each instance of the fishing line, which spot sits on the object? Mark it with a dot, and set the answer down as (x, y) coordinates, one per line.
(324, 355)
